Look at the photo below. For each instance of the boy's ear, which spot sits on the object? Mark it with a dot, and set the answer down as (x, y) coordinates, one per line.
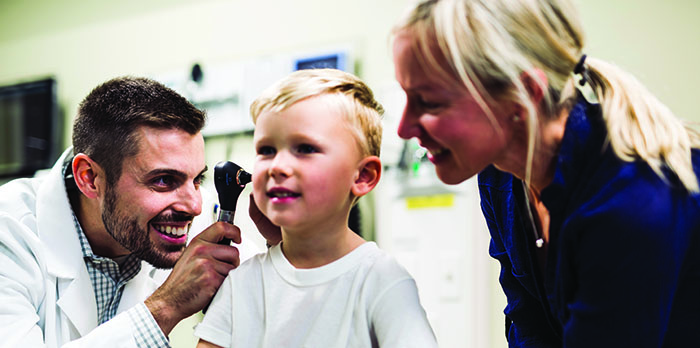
(88, 175)
(369, 172)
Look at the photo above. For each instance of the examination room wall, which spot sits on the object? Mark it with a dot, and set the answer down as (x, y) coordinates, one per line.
(83, 43)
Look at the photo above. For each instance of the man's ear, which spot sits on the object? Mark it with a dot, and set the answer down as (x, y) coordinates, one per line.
(88, 175)
(369, 172)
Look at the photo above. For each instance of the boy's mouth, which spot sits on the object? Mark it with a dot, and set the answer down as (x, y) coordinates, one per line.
(281, 193)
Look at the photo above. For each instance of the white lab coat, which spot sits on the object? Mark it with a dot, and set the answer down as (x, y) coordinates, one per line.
(46, 296)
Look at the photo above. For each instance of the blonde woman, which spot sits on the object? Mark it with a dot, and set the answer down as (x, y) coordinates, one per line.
(588, 183)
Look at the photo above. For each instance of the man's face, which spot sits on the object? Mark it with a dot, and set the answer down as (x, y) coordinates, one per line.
(150, 209)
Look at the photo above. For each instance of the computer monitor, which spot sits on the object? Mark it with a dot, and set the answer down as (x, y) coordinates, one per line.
(30, 127)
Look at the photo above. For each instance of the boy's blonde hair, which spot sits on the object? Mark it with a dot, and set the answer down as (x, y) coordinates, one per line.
(489, 44)
(355, 101)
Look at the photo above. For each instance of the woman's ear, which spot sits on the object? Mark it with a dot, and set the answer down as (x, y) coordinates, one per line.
(87, 175)
(536, 84)
(369, 172)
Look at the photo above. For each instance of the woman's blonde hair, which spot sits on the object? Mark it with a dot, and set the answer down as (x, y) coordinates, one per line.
(490, 44)
(354, 99)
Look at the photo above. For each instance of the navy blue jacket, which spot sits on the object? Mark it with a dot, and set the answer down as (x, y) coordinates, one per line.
(623, 260)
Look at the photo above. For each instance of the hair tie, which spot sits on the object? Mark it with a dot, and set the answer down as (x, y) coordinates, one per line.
(579, 68)
(581, 73)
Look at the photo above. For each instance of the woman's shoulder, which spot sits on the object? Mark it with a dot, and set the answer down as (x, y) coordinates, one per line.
(631, 201)
(493, 179)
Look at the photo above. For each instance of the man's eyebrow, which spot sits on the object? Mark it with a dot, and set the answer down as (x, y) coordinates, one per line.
(166, 171)
(173, 172)
(206, 168)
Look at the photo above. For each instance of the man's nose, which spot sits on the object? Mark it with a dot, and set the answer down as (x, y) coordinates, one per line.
(189, 200)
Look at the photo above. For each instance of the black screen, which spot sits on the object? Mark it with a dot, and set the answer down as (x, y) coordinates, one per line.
(29, 127)
(323, 62)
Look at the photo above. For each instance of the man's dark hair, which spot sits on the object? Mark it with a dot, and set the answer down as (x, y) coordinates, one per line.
(108, 118)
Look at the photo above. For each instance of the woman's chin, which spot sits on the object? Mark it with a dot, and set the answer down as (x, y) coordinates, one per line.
(452, 176)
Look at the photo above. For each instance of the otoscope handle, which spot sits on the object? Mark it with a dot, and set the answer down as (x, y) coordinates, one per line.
(226, 216)
(230, 180)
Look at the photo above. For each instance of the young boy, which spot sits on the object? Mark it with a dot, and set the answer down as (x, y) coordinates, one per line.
(317, 138)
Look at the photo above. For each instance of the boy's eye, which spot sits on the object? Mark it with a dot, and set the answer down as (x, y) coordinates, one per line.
(266, 150)
(306, 149)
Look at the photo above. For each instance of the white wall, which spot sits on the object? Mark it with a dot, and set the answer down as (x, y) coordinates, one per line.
(658, 41)
(82, 43)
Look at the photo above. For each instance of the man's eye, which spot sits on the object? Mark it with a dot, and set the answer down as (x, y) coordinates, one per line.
(306, 149)
(199, 180)
(163, 181)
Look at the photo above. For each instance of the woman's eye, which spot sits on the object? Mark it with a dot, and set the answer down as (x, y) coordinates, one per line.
(428, 104)
(266, 150)
(306, 149)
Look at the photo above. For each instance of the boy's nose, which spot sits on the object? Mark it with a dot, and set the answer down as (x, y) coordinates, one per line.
(281, 165)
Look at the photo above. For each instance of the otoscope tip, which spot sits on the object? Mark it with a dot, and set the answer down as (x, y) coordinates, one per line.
(243, 177)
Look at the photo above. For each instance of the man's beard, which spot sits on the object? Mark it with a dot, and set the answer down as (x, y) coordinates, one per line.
(127, 232)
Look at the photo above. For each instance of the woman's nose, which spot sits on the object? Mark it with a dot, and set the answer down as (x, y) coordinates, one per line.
(408, 126)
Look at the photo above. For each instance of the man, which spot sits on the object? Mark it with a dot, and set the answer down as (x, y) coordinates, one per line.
(72, 242)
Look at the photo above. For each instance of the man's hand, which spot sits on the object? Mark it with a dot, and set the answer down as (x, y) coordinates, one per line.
(196, 277)
(269, 231)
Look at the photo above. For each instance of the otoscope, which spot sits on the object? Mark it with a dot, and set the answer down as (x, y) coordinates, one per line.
(229, 180)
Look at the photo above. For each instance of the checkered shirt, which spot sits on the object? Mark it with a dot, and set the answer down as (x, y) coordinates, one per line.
(108, 281)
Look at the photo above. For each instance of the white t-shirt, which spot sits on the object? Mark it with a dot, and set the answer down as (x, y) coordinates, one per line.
(364, 299)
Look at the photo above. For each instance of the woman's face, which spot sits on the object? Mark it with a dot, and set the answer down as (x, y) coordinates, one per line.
(460, 137)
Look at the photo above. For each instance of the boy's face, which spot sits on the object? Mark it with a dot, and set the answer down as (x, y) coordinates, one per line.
(307, 161)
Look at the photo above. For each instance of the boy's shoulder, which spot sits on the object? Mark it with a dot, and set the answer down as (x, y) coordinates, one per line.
(383, 267)
(252, 266)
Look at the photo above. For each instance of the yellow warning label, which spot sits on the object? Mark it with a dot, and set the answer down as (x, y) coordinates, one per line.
(433, 201)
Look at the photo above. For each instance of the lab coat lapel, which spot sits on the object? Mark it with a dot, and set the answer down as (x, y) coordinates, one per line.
(75, 295)
(77, 301)
(138, 289)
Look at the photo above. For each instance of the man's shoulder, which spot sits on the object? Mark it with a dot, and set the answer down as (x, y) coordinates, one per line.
(18, 230)
(18, 199)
